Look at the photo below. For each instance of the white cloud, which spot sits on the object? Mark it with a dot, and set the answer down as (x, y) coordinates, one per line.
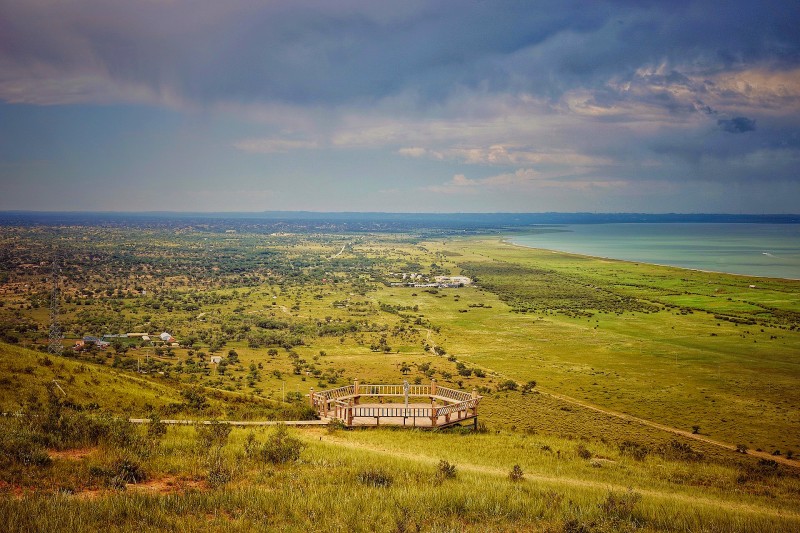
(524, 180)
(273, 145)
(504, 155)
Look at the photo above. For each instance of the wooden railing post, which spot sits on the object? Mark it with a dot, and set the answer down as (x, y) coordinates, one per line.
(311, 398)
(433, 387)
(475, 407)
(434, 415)
(355, 391)
(350, 412)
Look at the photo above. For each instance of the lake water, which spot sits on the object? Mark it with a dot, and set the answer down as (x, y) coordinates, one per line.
(768, 250)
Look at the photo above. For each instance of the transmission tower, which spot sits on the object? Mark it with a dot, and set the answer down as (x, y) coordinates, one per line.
(55, 346)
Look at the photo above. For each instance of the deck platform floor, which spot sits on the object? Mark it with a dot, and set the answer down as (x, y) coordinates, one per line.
(419, 421)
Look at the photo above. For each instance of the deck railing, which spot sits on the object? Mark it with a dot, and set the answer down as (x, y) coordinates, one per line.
(453, 394)
(343, 403)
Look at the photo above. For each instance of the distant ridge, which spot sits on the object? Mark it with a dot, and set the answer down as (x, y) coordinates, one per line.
(450, 220)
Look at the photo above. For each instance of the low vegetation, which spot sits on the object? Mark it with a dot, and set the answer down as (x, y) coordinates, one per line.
(563, 348)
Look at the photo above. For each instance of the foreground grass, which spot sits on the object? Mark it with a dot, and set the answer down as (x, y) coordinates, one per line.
(677, 347)
(387, 480)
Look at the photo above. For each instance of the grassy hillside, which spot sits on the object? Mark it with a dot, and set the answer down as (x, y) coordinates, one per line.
(397, 481)
(595, 374)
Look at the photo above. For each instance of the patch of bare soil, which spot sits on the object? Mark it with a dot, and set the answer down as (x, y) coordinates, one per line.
(14, 491)
(166, 485)
(71, 455)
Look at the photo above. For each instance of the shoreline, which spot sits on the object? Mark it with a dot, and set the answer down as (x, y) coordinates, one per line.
(506, 240)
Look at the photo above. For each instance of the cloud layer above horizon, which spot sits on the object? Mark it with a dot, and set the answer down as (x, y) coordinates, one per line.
(199, 105)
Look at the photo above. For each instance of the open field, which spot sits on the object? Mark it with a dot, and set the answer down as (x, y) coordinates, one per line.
(566, 351)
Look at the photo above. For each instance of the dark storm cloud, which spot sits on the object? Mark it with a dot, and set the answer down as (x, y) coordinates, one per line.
(737, 125)
(359, 52)
(504, 97)
(298, 52)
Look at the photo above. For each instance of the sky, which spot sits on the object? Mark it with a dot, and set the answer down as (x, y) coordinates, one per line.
(366, 105)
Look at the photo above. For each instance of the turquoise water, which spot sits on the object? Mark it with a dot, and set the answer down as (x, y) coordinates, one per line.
(767, 250)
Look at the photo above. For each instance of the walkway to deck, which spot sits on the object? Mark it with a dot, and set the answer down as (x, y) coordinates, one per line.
(185, 422)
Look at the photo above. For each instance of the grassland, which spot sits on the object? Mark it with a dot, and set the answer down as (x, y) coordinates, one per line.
(596, 341)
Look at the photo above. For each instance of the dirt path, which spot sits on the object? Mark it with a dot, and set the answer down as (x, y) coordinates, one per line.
(340, 251)
(235, 422)
(663, 427)
(431, 343)
(669, 429)
(573, 482)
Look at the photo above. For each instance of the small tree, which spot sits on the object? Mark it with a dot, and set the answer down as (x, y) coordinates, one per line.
(213, 435)
(195, 398)
(508, 384)
(516, 474)
(281, 447)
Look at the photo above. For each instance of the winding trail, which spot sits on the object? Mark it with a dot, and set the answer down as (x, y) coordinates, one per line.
(662, 427)
(669, 429)
(340, 251)
(431, 343)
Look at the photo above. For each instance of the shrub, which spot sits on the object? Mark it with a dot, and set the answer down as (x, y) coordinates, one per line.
(156, 429)
(335, 425)
(765, 468)
(20, 447)
(195, 398)
(250, 445)
(619, 506)
(294, 397)
(634, 450)
(375, 477)
(583, 452)
(211, 435)
(516, 474)
(281, 447)
(741, 448)
(119, 433)
(676, 450)
(528, 387)
(219, 472)
(128, 471)
(508, 384)
(445, 470)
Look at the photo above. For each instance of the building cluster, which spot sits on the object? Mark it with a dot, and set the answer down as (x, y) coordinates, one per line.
(106, 340)
(439, 282)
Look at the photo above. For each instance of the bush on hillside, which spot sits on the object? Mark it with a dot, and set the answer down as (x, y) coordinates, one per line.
(375, 477)
(281, 447)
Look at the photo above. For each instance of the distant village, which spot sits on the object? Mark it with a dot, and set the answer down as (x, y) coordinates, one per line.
(409, 279)
(164, 339)
(440, 282)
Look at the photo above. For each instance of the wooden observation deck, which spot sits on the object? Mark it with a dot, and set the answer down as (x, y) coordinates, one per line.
(423, 406)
